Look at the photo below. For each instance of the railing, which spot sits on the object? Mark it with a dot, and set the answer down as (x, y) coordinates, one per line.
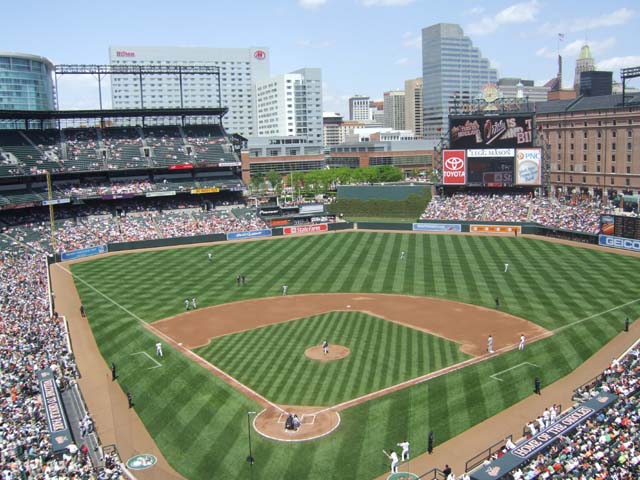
(476, 460)
(433, 474)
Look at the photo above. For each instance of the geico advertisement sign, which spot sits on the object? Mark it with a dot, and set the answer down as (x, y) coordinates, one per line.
(453, 167)
(619, 242)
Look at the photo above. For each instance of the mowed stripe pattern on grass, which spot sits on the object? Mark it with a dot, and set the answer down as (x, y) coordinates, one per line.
(271, 360)
(200, 423)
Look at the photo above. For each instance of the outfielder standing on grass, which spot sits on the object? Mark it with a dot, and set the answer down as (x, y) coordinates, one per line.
(393, 456)
(159, 349)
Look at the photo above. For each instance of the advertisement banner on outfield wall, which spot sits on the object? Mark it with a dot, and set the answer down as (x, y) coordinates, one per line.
(454, 167)
(83, 252)
(528, 166)
(57, 423)
(437, 227)
(619, 242)
(495, 229)
(167, 193)
(312, 208)
(528, 449)
(249, 234)
(322, 227)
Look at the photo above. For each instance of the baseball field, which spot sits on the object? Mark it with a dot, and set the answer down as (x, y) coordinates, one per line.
(405, 328)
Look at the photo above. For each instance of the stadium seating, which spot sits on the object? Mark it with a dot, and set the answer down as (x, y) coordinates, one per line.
(124, 145)
(166, 145)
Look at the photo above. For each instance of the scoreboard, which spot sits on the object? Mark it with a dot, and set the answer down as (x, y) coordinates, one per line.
(620, 226)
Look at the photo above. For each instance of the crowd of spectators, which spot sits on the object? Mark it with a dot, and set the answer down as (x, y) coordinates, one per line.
(30, 340)
(566, 214)
(607, 446)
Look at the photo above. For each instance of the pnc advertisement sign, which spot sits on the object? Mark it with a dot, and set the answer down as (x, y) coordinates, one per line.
(454, 167)
(260, 54)
(528, 162)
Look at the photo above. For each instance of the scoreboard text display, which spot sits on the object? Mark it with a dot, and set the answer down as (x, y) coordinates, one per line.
(491, 131)
(620, 226)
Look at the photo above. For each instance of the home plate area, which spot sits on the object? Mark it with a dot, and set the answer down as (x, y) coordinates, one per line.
(314, 423)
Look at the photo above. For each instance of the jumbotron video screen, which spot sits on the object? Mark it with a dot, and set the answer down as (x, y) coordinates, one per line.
(620, 226)
(490, 172)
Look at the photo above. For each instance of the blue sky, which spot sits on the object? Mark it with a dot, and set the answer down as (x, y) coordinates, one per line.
(362, 46)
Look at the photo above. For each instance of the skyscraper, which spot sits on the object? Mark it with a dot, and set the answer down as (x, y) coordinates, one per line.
(359, 108)
(453, 70)
(394, 110)
(291, 105)
(413, 106)
(584, 63)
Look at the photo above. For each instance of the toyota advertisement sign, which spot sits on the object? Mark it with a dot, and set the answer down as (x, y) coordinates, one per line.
(454, 167)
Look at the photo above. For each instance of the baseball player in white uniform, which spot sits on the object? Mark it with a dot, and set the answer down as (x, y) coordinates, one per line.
(393, 456)
(186, 304)
(159, 349)
(490, 344)
(285, 287)
(506, 267)
(210, 256)
(405, 450)
(194, 304)
(522, 341)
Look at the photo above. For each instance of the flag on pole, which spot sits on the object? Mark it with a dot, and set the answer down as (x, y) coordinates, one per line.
(561, 36)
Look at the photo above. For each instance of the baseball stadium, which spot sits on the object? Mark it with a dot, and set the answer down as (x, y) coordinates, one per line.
(161, 319)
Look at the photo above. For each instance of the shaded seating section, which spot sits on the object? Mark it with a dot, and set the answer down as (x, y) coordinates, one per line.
(124, 145)
(80, 149)
(30, 159)
(222, 180)
(167, 146)
(47, 143)
(209, 143)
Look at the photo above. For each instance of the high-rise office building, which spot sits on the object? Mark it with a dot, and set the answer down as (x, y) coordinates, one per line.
(453, 71)
(512, 87)
(584, 63)
(359, 108)
(239, 68)
(413, 106)
(394, 110)
(26, 82)
(291, 105)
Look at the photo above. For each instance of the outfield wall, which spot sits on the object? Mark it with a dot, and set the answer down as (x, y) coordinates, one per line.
(431, 226)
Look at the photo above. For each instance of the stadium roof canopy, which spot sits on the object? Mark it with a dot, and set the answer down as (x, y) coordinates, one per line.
(122, 113)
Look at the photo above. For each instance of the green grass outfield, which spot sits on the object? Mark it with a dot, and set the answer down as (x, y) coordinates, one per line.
(383, 354)
(201, 424)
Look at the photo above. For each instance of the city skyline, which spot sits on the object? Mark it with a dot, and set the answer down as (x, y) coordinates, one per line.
(363, 47)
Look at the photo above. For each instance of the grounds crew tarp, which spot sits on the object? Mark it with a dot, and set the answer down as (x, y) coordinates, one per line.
(524, 451)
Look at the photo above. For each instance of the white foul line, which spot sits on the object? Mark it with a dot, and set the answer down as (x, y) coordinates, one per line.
(495, 375)
(230, 379)
(158, 364)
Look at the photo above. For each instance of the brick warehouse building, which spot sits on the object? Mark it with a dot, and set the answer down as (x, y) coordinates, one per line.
(592, 143)
(411, 156)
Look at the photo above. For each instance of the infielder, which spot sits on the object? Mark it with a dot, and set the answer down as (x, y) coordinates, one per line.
(210, 256)
(393, 456)
(490, 344)
(325, 347)
(285, 287)
(521, 345)
(506, 267)
(159, 349)
(405, 450)
(193, 303)
(186, 304)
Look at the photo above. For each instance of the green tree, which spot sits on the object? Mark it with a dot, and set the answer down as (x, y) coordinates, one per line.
(275, 179)
(257, 180)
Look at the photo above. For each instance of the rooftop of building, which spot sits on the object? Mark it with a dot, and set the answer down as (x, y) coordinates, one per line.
(583, 103)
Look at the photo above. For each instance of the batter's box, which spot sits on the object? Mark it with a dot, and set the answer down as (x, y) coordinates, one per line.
(308, 419)
(282, 418)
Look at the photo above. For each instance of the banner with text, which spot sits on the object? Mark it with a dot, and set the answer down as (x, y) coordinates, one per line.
(495, 229)
(249, 234)
(56, 201)
(198, 191)
(168, 193)
(437, 227)
(454, 167)
(83, 252)
(59, 431)
(528, 170)
(619, 242)
(322, 227)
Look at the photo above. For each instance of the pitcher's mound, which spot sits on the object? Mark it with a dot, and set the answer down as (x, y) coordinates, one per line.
(336, 352)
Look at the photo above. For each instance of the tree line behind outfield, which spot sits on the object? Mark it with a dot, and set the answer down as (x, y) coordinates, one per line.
(325, 181)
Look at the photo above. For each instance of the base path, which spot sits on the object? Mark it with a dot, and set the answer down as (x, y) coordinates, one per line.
(465, 324)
